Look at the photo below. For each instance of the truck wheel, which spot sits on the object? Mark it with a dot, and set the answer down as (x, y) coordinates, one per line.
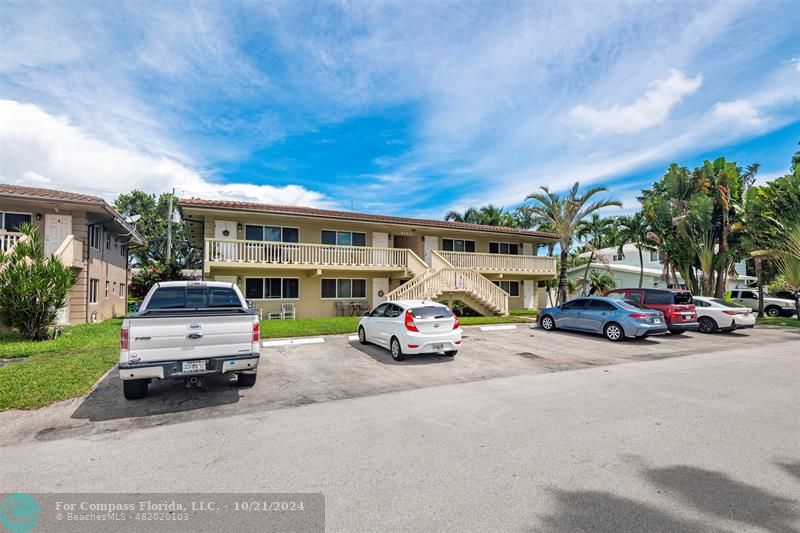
(134, 389)
(772, 311)
(246, 380)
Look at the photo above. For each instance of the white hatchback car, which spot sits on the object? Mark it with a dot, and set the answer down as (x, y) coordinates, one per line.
(714, 314)
(408, 327)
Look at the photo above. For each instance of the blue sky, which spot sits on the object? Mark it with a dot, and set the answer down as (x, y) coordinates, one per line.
(407, 107)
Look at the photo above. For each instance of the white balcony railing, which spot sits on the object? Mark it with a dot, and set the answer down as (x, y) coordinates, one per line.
(501, 262)
(306, 254)
(8, 239)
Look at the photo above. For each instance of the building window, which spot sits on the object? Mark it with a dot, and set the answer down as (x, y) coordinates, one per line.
(458, 245)
(106, 290)
(656, 256)
(123, 250)
(108, 240)
(344, 238)
(13, 221)
(343, 288)
(511, 287)
(616, 258)
(272, 288)
(122, 290)
(114, 291)
(254, 232)
(506, 248)
(94, 236)
(94, 285)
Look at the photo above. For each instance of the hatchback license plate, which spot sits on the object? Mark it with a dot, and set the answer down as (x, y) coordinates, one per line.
(194, 366)
(438, 347)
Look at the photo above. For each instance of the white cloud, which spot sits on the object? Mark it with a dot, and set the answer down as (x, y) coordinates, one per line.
(647, 111)
(738, 110)
(40, 149)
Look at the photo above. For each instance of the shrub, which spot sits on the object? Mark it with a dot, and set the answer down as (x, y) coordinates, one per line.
(33, 287)
(148, 276)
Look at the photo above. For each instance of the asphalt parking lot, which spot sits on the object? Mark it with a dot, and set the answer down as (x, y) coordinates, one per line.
(341, 368)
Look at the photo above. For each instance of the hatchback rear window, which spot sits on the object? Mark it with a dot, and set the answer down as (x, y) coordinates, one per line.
(683, 297)
(431, 311)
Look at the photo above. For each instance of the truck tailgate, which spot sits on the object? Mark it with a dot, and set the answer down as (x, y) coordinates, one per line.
(170, 338)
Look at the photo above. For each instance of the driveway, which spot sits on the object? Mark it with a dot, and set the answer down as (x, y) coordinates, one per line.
(341, 368)
(670, 442)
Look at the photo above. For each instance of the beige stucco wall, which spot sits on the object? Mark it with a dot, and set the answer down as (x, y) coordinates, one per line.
(104, 265)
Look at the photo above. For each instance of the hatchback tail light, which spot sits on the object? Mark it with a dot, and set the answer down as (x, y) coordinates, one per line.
(123, 339)
(457, 323)
(409, 322)
(256, 332)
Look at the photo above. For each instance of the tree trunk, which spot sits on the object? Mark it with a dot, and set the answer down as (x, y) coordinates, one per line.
(562, 278)
(641, 267)
(760, 281)
(723, 250)
(586, 273)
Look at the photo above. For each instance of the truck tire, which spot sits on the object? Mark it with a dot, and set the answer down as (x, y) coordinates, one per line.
(135, 389)
(772, 310)
(246, 380)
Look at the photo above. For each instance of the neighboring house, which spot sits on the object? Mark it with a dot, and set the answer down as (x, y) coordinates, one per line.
(84, 232)
(624, 268)
(188, 273)
(329, 262)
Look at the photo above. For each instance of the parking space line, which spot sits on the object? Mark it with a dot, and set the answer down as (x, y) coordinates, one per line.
(288, 342)
(498, 328)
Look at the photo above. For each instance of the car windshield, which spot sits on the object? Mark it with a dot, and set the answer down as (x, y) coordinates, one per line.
(431, 311)
(631, 305)
(683, 297)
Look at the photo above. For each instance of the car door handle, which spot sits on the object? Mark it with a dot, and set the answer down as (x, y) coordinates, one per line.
(194, 335)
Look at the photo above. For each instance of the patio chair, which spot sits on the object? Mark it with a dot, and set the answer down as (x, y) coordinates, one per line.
(340, 308)
(359, 308)
(274, 315)
(287, 311)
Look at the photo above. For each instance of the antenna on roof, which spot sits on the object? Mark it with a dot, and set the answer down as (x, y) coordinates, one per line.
(352, 205)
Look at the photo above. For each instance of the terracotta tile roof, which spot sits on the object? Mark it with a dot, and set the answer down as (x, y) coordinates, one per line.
(35, 193)
(348, 215)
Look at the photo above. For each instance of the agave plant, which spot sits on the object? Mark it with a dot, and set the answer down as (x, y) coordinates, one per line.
(33, 287)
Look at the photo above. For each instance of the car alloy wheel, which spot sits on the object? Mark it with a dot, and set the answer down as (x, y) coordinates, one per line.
(547, 323)
(707, 325)
(613, 332)
(397, 353)
(773, 311)
(362, 336)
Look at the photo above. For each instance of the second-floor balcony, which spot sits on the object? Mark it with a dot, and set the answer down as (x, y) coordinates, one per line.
(501, 263)
(264, 254)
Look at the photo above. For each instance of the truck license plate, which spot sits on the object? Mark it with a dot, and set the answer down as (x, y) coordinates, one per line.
(194, 366)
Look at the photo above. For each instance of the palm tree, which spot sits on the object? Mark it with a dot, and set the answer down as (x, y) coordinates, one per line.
(564, 214)
(596, 231)
(491, 215)
(633, 230)
(598, 283)
(470, 215)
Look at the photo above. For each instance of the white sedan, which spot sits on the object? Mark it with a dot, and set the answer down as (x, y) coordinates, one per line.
(714, 314)
(411, 327)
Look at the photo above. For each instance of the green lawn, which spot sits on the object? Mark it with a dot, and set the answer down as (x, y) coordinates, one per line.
(306, 327)
(778, 321)
(58, 369)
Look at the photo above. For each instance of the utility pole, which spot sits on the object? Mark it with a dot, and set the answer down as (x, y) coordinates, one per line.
(169, 228)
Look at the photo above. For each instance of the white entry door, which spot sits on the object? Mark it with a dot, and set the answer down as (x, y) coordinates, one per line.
(380, 240)
(529, 292)
(380, 288)
(224, 230)
(431, 244)
(56, 229)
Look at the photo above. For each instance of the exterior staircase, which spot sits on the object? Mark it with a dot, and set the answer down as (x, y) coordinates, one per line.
(443, 281)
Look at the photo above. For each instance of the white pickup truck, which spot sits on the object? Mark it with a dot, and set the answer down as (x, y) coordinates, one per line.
(187, 330)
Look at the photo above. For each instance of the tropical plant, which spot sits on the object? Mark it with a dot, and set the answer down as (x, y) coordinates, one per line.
(488, 215)
(155, 214)
(596, 282)
(470, 215)
(33, 286)
(564, 215)
(789, 263)
(597, 232)
(633, 230)
(146, 277)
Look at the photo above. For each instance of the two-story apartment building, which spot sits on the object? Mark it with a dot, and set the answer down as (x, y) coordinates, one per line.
(331, 262)
(84, 232)
(625, 269)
